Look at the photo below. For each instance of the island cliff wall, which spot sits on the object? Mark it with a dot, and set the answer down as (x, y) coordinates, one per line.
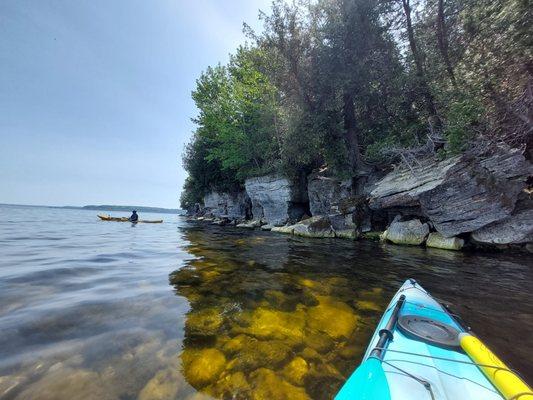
(481, 200)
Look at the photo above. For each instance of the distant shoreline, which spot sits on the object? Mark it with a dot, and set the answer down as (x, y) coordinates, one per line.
(106, 207)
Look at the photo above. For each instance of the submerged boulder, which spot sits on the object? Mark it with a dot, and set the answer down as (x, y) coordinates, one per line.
(276, 200)
(332, 317)
(202, 367)
(268, 385)
(438, 241)
(411, 232)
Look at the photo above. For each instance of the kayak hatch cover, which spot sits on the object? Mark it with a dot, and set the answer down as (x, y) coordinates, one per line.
(419, 351)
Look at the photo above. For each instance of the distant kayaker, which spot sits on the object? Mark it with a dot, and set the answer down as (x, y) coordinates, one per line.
(134, 217)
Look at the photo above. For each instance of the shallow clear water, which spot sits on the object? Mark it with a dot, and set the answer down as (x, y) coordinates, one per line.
(105, 310)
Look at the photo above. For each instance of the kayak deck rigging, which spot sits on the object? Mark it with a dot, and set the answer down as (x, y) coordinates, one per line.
(401, 364)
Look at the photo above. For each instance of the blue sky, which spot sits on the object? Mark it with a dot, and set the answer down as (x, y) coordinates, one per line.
(95, 102)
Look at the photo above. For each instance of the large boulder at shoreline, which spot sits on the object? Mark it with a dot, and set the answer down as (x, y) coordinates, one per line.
(325, 193)
(457, 195)
(436, 240)
(411, 232)
(317, 227)
(516, 229)
(276, 200)
(232, 206)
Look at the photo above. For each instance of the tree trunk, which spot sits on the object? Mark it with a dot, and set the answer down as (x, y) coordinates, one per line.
(421, 76)
(351, 135)
(442, 40)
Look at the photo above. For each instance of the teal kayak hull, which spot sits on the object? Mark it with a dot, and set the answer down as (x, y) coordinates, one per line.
(413, 369)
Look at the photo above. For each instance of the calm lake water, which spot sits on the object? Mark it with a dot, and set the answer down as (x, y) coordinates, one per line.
(106, 310)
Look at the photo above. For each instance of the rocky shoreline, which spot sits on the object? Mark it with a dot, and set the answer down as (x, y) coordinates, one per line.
(469, 201)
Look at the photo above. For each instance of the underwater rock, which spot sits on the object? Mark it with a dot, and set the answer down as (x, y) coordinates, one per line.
(296, 370)
(67, 383)
(232, 386)
(318, 341)
(268, 386)
(411, 232)
(164, 385)
(204, 322)
(260, 353)
(350, 352)
(311, 354)
(267, 323)
(368, 305)
(332, 317)
(438, 241)
(237, 343)
(201, 367)
(10, 382)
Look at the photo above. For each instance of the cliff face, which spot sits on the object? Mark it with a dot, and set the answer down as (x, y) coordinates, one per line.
(482, 199)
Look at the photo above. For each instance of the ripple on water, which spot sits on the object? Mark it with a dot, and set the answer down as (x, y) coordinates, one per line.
(246, 315)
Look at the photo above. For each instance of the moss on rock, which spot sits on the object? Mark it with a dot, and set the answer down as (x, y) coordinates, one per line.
(202, 367)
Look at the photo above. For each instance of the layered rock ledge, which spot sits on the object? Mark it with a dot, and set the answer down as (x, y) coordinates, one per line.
(468, 200)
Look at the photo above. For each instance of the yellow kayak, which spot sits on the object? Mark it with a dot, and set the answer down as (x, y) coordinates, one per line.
(126, 219)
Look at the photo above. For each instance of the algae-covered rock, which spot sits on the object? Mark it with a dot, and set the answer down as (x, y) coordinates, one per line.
(204, 322)
(350, 352)
(311, 354)
(347, 234)
(314, 227)
(318, 341)
(411, 232)
(296, 370)
(202, 367)
(164, 385)
(367, 305)
(289, 229)
(260, 353)
(237, 343)
(438, 241)
(267, 323)
(332, 317)
(372, 235)
(268, 386)
(232, 386)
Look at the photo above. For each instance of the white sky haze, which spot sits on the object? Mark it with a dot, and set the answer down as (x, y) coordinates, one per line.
(95, 102)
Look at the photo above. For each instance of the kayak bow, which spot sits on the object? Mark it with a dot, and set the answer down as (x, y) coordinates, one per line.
(420, 351)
